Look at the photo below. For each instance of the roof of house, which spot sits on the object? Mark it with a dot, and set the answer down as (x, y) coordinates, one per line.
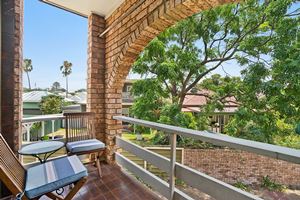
(79, 97)
(193, 102)
(35, 96)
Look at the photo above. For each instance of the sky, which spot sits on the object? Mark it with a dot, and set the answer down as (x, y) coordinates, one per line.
(52, 35)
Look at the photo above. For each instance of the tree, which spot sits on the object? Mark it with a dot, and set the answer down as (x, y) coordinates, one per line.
(66, 70)
(255, 35)
(55, 86)
(268, 98)
(51, 104)
(181, 57)
(27, 67)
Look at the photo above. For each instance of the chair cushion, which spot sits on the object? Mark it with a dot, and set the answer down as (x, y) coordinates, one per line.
(53, 175)
(84, 145)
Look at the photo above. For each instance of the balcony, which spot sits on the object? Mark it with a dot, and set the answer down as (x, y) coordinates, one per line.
(117, 34)
(118, 181)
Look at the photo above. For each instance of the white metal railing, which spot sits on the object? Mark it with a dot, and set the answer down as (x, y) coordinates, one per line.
(194, 178)
(28, 122)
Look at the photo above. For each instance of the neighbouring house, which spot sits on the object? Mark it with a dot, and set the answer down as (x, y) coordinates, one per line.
(81, 97)
(219, 118)
(31, 102)
(31, 107)
(127, 98)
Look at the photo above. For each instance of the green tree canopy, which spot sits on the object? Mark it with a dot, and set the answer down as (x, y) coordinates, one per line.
(260, 36)
(51, 104)
(182, 56)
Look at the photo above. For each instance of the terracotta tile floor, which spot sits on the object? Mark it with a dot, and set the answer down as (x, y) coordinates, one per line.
(114, 185)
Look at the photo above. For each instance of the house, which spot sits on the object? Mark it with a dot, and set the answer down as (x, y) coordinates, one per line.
(219, 118)
(81, 97)
(31, 102)
(127, 98)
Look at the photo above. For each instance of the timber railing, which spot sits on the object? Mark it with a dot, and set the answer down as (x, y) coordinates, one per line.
(28, 123)
(207, 184)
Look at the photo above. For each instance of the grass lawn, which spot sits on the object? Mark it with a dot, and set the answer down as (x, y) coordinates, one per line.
(146, 138)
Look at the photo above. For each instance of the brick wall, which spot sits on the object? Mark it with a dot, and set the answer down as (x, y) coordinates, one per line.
(232, 165)
(11, 71)
(96, 73)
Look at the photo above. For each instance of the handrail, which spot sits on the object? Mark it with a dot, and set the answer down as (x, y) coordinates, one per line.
(40, 118)
(269, 150)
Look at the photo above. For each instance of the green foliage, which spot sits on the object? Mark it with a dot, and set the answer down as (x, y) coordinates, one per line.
(271, 185)
(27, 67)
(297, 130)
(242, 186)
(66, 68)
(148, 99)
(261, 36)
(180, 57)
(51, 104)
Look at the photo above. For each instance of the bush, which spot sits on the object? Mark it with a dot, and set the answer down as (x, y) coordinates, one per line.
(51, 104)
(271, 185)
(242, 186)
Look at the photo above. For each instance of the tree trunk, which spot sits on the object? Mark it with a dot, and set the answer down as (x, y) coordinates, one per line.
(181, 99)
(67, 86)
(28, 80)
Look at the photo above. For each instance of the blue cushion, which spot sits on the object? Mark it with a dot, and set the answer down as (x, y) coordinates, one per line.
(84, 145)
(53, 175)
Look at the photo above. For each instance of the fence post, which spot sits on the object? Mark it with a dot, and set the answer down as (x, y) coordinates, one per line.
(173, 137)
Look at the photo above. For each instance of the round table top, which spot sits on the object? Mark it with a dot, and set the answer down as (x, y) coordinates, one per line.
(41, 147)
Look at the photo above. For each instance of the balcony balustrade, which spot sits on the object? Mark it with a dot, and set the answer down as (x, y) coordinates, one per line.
(196, 179)
(28, 123)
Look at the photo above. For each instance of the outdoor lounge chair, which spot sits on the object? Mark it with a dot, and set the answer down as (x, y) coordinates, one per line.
(41, 179)
(80, 137)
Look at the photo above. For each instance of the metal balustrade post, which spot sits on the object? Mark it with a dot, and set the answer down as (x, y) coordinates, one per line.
(43, 128)
(172, 165)
(28, 126)
(52, 121)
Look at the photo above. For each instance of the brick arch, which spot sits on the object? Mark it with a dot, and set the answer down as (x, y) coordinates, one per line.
(145, 23)
(123, 36)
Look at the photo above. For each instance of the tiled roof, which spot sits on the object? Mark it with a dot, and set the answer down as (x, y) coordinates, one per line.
(193, 102)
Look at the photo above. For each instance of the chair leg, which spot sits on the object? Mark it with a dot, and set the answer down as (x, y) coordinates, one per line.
(76, 188)
(53, 196)
(98, 164)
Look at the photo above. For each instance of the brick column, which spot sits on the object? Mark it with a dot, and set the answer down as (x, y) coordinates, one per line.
(113, 105)
(11, 71)
(102, 99)
(96, 73)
